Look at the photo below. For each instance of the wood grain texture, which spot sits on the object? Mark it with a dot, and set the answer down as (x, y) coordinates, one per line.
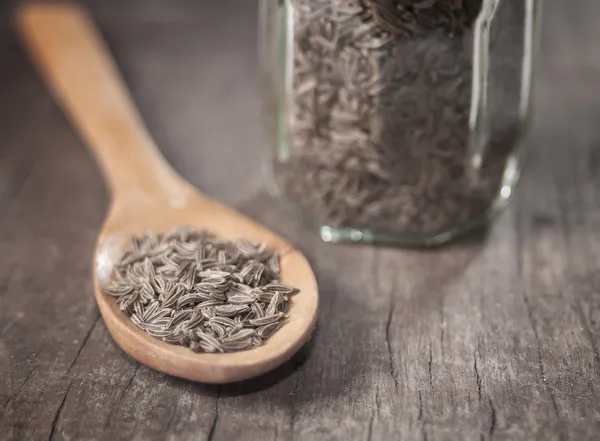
(493, 338)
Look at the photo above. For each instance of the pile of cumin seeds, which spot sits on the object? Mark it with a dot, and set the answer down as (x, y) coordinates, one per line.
(190, 288)
(378, 114)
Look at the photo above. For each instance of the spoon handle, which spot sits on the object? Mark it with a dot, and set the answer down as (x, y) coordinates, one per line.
(78, 69)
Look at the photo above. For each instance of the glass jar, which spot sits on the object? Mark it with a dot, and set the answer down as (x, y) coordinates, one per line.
(396, 120)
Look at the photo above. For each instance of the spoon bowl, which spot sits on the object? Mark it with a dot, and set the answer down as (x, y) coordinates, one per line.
(147, 194)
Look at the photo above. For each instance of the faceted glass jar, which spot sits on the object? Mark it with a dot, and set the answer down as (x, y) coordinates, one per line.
(396, 120)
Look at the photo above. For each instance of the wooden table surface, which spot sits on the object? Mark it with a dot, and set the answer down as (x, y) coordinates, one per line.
(497, 337)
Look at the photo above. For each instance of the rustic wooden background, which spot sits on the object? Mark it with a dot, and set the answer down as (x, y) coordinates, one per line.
(493, 338)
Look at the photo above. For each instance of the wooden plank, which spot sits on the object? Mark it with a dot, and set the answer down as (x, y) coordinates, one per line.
(496, 337)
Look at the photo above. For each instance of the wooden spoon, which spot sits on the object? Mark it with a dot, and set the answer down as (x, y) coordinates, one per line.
(148, 194)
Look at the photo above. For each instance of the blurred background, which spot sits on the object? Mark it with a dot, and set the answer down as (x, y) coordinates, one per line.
(191, 66)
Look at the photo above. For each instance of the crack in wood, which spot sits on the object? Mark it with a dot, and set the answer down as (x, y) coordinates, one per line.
(545, 380)
(390, 317)
(121, 396)
(492, 419)
(23, 383)
(10, 401)
(477, 376)
(85, 340)
(213, 426)
(297, 383)
(429, 367)
(57, 414)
